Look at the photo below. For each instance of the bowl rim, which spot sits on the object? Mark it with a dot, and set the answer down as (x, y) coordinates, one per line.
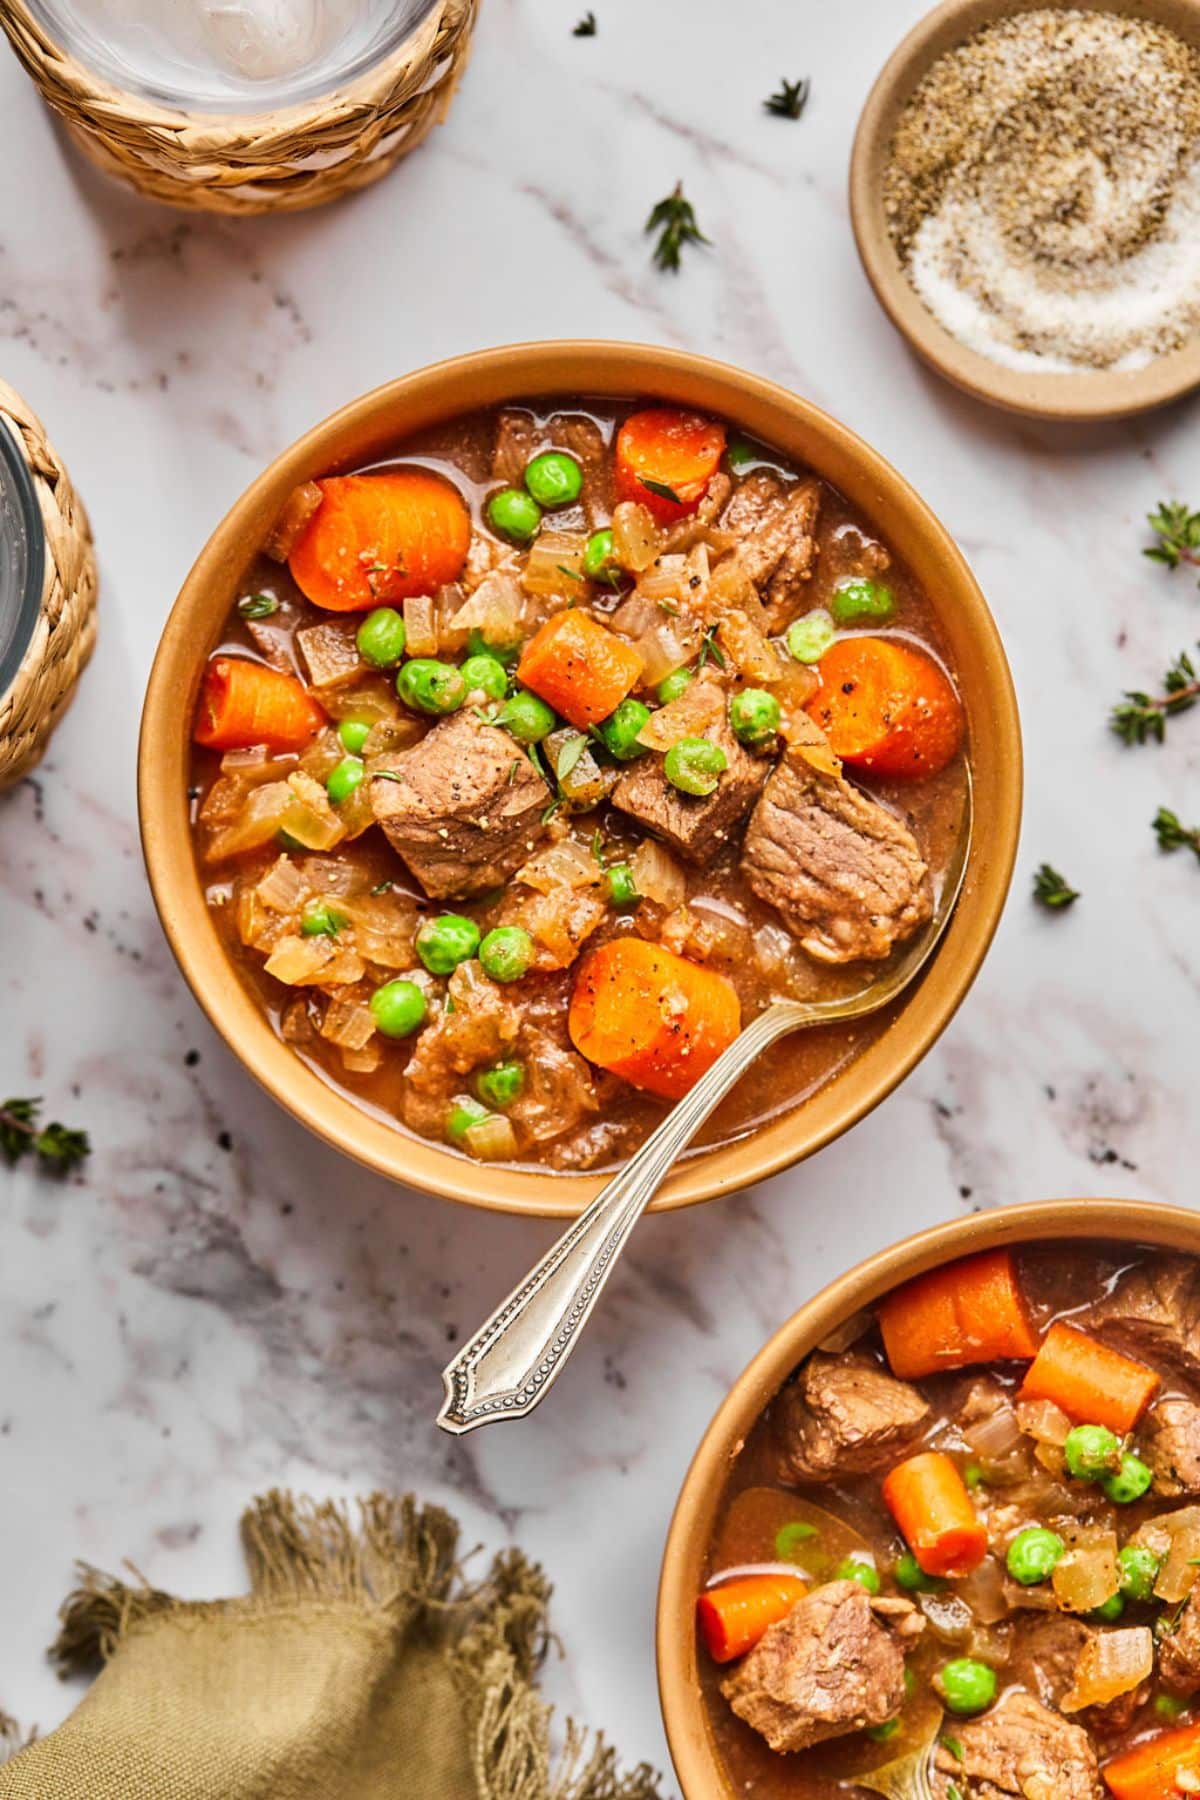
(1091, 396)
(560, 368)
(685, 1719)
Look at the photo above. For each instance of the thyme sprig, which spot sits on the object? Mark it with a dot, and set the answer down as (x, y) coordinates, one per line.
(57, 1147)
(586, 26)
(1141, 716)
(1172, 835)
(789, 100)
(675, 221)
(1052, 890)
(1177, 529)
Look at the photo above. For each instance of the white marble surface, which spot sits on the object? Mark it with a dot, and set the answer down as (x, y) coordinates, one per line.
(218, 1303)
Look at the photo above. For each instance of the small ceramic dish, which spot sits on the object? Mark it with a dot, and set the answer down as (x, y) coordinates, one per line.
(367, 429)
(698, 1764)
(1085, 396)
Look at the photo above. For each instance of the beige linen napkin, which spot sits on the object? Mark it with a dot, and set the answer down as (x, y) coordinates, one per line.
(359, 1667)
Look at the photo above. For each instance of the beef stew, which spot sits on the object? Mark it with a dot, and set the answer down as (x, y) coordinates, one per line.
(971, 1520)
(522, 776)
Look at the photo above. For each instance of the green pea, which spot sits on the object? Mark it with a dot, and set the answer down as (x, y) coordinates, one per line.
(754, 716)
(1091, 1451)
(789, 1538)
(1033, 1554)
(464, 1113)
(486, 672)
(674, 684)
(599, 563)
(856, 1568)
(694, 765)
(321, 920)
(881, 1733)
(910, 1575)
(973, 1476)
(620, 730)
(528, 718)
(1129, 1482)
(354, 734)
(382, 637)
(287, 842)
(554, 478)
(622, 884)
(342, 781)
(967, 1686)
(477, 645)
(514, 514)
(810, 637)
(446, 941)
(430, 686)
(1111, 1609)
(857, 598)
(502, 1085)
(506, 952)
(1170, 1707)
(1138, 1568)
(399, 1008)
(740, 454)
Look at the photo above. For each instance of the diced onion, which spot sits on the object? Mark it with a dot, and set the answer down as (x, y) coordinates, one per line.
(748, 649)
(256, 824)
(420, 625)
(657, 875)
(554, 564)
(330, 652)
(294, 516)
(492, 1139)
(1111, 1663)
(636, 538)
(495, 610)
(372, 699)
(1042, 1420)
(283, 888)
(569, 864)
(348, 1021)
(696, 711)
(1178, 1574)
(364, 1061)
(950, 1618)
(847, 1333)
(309, 818)
(1086, 1576)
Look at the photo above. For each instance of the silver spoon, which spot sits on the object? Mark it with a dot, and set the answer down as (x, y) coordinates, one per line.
(512, 1362)
(908, 1777)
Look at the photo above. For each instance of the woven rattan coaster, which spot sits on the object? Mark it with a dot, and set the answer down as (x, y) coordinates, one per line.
(280, 161)
(65, 628)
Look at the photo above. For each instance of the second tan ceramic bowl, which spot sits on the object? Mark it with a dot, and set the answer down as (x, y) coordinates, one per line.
(368, 428)
(697, 1763)
(1103, 395)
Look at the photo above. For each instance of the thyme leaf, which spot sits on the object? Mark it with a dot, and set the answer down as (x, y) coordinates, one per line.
(710, 647)
(1052, 890)
(675, 221)
(661, 489)
(586, 26)
(1178, 532)
(789, 100)
(570, 754)
(1141, 717)
(1172, 835)
(56, 1147)
(258, 606)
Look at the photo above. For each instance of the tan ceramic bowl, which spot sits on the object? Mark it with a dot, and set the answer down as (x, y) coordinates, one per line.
(1087, 396)
(1131, 1221)
(369, 427)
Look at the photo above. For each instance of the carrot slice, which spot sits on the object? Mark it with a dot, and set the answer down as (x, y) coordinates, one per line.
(579, 668)
(971, 1311)
(675, 450)
(1150, 1770)
(929, 1501)
(243, 704)
(886, 706)
(732, 1617)
(1089, 1382)
(378, 538)
(651, 1017)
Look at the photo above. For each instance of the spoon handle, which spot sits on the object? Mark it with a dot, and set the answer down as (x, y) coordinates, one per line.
(510, 1364)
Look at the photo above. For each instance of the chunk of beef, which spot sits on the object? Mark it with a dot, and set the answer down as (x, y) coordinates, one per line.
(844, 1415)
(463, 807)
(698, 826)
(1171, 1445)
(835, 1664)
(1046, 1651)
(845, 873)
(1020, 1749)
(1179, 1650)
(776, 525)
(1154, 1313)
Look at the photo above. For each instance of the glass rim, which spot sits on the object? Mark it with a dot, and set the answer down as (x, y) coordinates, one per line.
(87, 49)
(17, 471)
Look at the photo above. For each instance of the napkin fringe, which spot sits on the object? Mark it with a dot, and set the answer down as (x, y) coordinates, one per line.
(399, 1560)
